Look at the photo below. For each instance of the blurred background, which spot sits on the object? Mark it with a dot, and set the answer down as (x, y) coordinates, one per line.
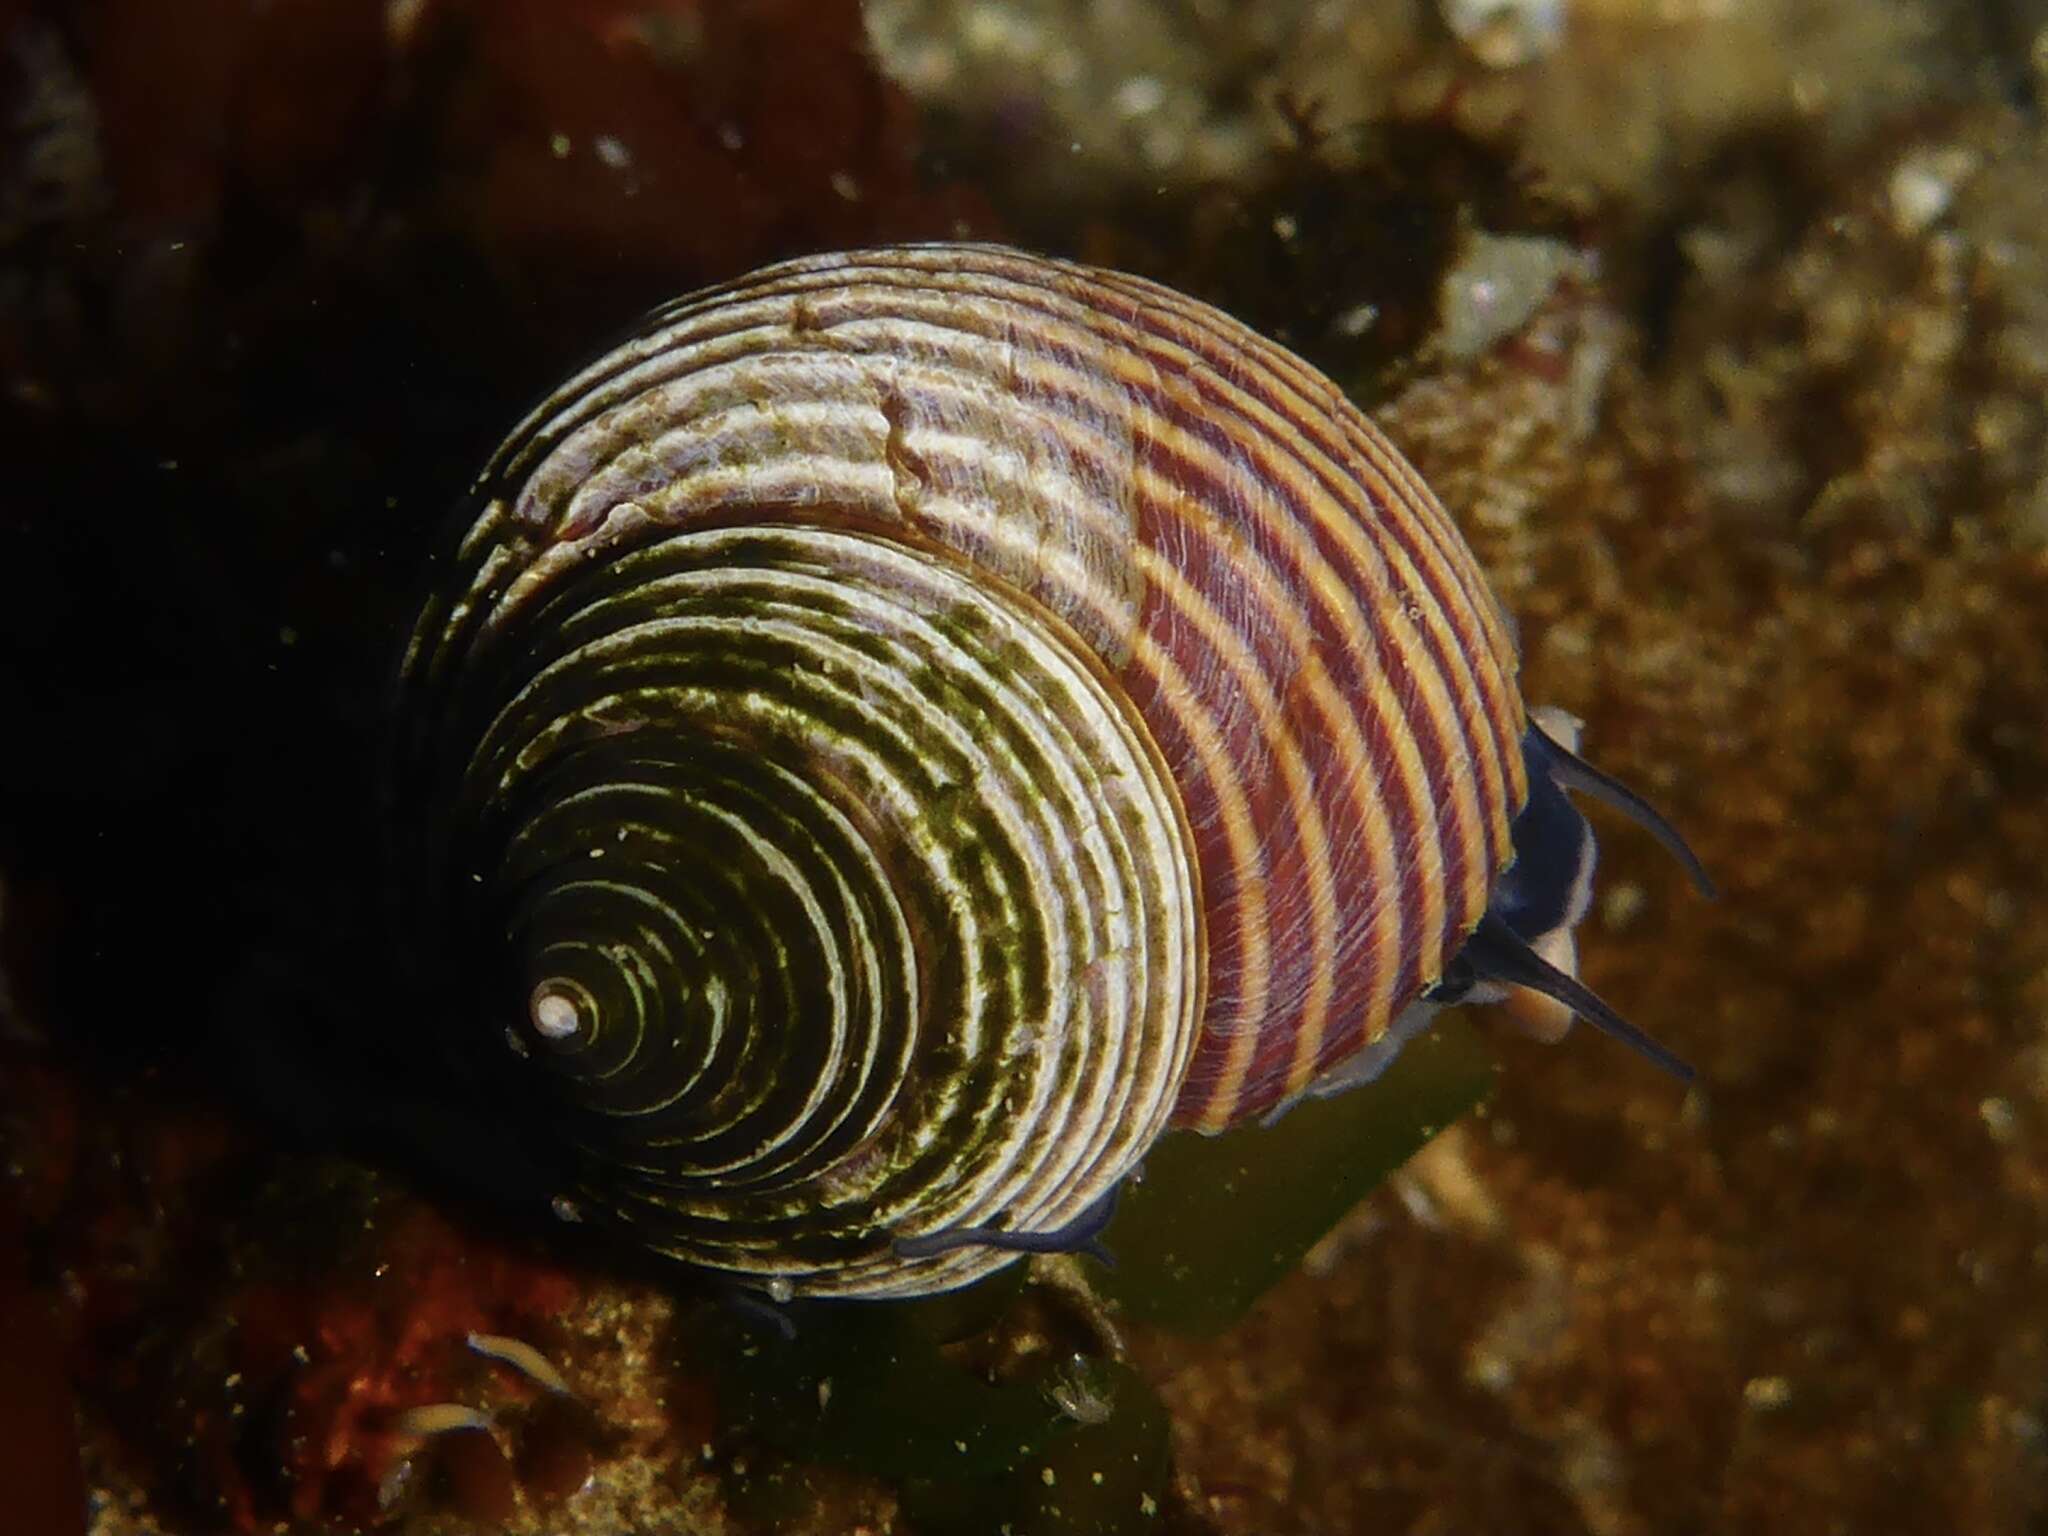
(1721, 326)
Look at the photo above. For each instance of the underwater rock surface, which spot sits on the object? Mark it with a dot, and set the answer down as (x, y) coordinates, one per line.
(1723, 333)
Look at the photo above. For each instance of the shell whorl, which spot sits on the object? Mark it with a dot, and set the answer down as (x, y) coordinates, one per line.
(923, 718)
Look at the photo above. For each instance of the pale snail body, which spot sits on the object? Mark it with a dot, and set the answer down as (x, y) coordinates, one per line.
(927, 719)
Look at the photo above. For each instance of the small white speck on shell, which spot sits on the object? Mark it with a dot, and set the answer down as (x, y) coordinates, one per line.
(555, 1016)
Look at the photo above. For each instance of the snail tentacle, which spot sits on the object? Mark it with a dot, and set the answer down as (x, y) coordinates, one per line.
(1574, 773)
(1082, 1235)
(1496, 953)
(753, 1307)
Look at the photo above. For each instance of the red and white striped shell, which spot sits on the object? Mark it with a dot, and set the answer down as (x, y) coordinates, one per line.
(1286, 690)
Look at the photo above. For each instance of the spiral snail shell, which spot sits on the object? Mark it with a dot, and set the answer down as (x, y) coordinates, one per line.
(910, 726)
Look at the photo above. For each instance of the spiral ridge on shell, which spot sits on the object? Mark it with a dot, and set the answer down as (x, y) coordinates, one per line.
(909, 725)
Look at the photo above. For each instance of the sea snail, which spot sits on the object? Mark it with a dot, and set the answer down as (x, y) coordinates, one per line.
(910, 726)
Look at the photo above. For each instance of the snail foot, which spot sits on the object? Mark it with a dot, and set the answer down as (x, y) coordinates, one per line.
(1082, 1235)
